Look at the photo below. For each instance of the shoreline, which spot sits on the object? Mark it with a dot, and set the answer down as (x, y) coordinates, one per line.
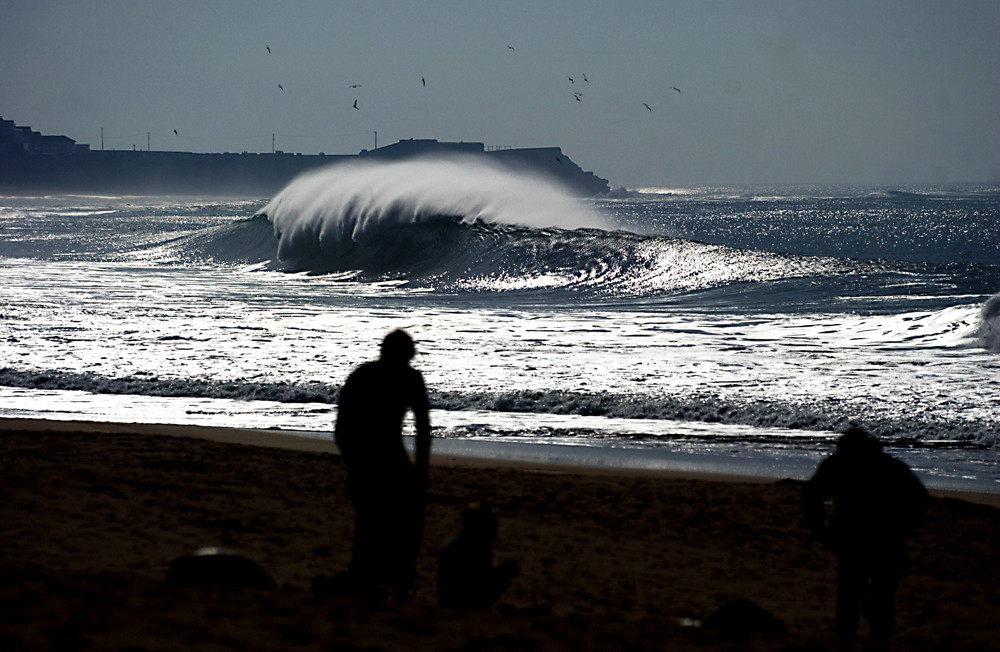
(95, 514)
(460, 453)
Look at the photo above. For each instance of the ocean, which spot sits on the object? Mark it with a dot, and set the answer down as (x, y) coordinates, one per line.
(732, 329)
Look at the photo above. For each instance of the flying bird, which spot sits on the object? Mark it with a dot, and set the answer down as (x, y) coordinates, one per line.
(355, 85)
(570, 79)
(677, 89)
(356, 105)
(510, 47)
(281, 87)
(175, 132)
(268, 49)
(585, 79)
(647, 107)
(423, 81)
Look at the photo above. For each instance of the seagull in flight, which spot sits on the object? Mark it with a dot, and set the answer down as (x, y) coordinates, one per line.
(585, 79)
(510, 47)
(423, 81)
(356, 105)
(647, 107)
(268, 49)
(355, 85)
(281, 87)
(570, 79)
(677, 89)
(175, 132)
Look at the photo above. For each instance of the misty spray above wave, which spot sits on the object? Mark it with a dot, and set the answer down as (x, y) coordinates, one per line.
(326, 214)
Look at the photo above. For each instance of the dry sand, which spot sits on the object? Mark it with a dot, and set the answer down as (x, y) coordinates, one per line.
(92, 515)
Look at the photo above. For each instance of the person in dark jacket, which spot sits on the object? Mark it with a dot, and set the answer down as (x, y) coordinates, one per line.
(877, 502)
(387, 488)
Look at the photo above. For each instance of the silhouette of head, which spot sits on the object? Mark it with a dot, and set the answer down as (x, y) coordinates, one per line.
(397, 347)
(856, 442)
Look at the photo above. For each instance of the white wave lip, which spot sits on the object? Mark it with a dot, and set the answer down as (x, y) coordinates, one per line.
(359, 201)
(989, 324)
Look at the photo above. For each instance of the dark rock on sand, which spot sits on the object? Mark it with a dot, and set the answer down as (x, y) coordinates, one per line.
(219, 567)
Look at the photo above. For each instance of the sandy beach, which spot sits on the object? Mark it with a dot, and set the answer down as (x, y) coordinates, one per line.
(92, 515)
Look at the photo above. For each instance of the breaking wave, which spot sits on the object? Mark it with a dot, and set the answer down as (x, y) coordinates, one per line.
(989, 324)
(464, 224)
(320, 215)
(799, 417)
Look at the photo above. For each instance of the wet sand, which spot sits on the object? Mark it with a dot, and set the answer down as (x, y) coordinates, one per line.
(92, 515)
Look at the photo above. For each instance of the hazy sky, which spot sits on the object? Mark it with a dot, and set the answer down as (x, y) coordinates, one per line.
(771, 92)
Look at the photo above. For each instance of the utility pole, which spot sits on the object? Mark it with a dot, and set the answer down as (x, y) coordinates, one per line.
(272, 143)
(376, 140)
(147, 142)
(102, 139)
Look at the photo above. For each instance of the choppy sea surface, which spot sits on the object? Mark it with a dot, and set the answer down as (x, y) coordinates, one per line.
(721, 325)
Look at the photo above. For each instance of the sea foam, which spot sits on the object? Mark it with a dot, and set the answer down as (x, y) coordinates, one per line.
(803, 419)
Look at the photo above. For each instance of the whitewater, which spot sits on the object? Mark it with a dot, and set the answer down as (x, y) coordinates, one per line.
(726, 325)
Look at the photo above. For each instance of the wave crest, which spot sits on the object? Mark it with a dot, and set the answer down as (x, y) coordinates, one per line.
(321, 215)
(989, 324)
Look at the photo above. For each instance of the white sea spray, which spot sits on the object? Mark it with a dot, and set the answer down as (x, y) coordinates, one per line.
(989, 324)
(361, 201)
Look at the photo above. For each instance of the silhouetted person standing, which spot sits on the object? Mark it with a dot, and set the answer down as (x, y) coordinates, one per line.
(387, 489)
(877, 501)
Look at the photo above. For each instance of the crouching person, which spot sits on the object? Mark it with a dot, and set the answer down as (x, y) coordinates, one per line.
(467, 578)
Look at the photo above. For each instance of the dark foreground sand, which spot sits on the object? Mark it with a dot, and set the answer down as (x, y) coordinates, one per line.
(92, 516)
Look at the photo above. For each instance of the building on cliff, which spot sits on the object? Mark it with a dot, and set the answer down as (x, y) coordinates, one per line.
(30, 161)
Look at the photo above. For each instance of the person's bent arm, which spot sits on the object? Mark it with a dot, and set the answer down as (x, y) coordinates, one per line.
(421, 418)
